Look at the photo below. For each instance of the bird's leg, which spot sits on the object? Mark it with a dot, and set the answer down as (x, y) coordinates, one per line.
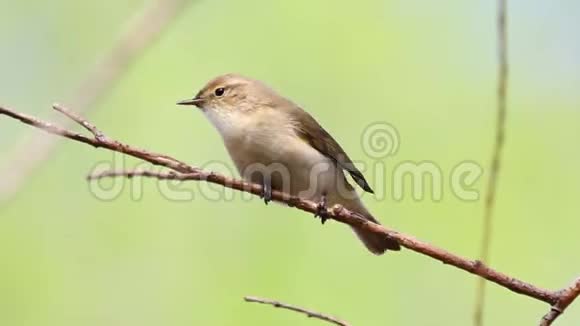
(321, 209)
(267, 190)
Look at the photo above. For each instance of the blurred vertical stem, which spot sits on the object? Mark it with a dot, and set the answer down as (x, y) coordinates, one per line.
(141, 31)
(502, 86)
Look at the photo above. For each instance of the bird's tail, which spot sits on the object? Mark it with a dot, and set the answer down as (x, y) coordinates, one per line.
(376, 243)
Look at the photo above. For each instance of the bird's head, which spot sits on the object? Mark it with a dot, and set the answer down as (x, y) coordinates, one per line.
(232, 92)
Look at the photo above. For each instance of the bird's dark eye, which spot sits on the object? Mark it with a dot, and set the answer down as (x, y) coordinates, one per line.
(219, 91)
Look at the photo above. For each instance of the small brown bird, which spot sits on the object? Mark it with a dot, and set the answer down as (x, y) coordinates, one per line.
(273, 142)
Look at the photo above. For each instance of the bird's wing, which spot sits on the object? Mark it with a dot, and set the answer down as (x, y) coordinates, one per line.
(312, 132)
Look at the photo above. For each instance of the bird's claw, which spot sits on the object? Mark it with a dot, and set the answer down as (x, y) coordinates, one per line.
(321, 210)
(267, 192)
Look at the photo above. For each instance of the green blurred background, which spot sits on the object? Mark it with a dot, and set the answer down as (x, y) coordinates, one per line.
(428, 68)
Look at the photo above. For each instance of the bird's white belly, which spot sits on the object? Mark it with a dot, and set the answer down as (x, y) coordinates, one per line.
(291, 164)
(265, 149)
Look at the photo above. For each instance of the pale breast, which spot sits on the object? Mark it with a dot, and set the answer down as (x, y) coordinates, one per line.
(264, 144)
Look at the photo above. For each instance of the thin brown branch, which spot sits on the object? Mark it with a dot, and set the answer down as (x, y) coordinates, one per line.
(567, 296)
(502, 87)
(307, 312)
(141, 31)
(345, 216)
(184, 171)
(104, 142)
(76, 118)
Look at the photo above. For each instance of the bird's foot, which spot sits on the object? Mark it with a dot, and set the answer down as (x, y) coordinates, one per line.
(266, 192)
(321, 210)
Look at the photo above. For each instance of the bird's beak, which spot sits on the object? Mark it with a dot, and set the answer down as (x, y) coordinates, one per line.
(194, 101)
